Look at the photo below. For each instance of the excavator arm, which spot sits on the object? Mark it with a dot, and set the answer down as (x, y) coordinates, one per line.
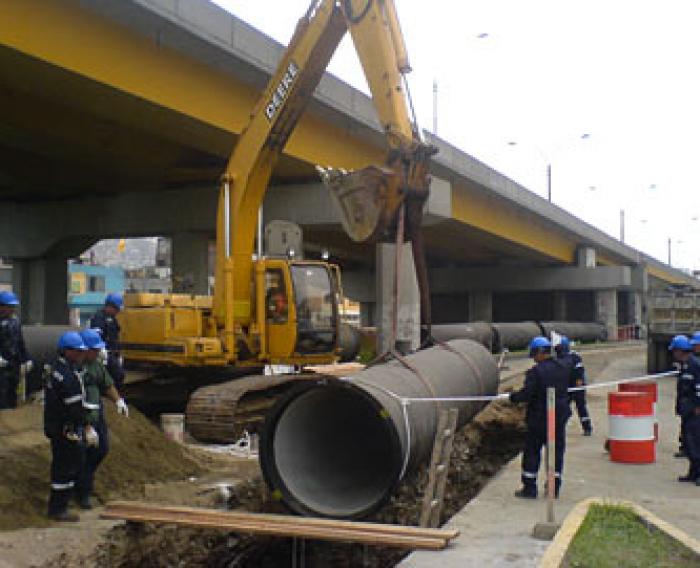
(370, 199)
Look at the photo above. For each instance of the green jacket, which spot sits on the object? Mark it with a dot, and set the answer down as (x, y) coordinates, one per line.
(96, 380)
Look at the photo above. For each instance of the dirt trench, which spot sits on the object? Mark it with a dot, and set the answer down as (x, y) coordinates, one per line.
(481, 448)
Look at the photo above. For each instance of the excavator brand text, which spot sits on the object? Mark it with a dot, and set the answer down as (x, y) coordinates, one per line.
(279, 95)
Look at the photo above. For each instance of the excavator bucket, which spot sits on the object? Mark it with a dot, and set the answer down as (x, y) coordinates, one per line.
(366, 199)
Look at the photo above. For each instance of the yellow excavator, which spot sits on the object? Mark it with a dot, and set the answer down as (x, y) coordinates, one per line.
(281, 310)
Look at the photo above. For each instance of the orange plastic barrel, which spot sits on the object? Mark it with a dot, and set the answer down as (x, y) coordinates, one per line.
(631, 427)
(650, 387)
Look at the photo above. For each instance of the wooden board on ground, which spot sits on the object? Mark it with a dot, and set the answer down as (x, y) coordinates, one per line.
(283, 526)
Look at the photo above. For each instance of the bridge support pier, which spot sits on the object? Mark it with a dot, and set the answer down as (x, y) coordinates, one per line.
(480, 306)
(42, 287)
(606, 311)
(190, 251)
(408, 321)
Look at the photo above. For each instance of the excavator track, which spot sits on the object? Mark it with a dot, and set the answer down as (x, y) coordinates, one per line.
(221, 413)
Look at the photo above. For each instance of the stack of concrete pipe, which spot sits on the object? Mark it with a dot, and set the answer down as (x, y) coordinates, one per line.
(515, 336)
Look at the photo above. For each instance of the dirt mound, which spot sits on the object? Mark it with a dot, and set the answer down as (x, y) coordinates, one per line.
(139, 454)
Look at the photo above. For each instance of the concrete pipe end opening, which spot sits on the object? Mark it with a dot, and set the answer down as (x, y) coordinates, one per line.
(330, 449)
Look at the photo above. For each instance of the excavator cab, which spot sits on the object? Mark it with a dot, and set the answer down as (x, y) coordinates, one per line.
(301, 313)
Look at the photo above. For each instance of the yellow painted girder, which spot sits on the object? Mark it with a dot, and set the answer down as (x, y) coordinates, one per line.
(479, 210)
(73, 38)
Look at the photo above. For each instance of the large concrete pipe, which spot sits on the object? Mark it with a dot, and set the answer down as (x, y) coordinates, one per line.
(514, 336)
(349, 342)
(478, 331)
(576, 331)
(338, 448)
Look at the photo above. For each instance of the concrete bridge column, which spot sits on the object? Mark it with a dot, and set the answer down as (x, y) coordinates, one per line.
(480, 306)
(190, 263)
(560, 303)
(606, 311)
(408, 321)
(42, 287)
(634, 303)
(367, 314)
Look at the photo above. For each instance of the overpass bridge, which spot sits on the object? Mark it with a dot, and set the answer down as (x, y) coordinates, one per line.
(117, 117)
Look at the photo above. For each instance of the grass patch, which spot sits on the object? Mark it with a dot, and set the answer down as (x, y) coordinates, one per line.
(613, 536)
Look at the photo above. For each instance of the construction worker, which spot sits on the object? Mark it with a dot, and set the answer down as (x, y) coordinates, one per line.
(547, 372)
(578, 379)
(106, 321)
(97, 383)
(65, 423)
(695, 345)
(681, 349)
(14, 360)
(688, 403)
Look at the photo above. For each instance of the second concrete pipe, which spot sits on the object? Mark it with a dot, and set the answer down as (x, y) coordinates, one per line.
(338, 448)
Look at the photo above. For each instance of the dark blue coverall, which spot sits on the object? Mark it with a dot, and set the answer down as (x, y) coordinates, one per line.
(688, 407)
(64, 424)
(13, 351)
(578, 379)
(548, 373)
(109, 326)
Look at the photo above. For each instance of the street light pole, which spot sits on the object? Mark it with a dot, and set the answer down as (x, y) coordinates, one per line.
(669, 251)
(622, 225)
(549, 182)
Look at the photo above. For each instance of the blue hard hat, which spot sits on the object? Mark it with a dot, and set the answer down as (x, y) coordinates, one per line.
(8, 299)
(564, 344)
(695, 340)
(680, 342)
(92, 338)
(538, 343)
(71, 340)
(115, 300)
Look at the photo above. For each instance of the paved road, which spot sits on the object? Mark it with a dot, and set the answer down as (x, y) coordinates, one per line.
(495, 527)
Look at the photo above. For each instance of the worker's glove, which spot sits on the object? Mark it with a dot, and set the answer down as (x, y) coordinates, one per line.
(122, 408)
(92, 438)
(121, 361)
(3, 362)
(27, 367)
(103, 356)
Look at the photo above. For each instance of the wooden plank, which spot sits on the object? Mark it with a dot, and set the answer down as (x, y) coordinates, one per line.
(297, 531)
(445, 534)
(439, 468)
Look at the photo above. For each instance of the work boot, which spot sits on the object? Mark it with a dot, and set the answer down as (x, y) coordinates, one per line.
(689, 477)
(527, 492)
(588, 431)
(64, 517)
(680, 453)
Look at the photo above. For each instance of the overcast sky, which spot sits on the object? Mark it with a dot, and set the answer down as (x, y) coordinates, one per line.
(548, 71)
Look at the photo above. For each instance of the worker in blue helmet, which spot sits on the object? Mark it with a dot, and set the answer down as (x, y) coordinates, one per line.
(578, 380)
(688, 403)
(695, 343)
(547, 372)
(97, 383)
(680, 348)
(106, 321)
(65, 423)
(15, 362)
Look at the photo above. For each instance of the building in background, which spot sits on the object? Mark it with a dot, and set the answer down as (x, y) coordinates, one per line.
(87, 287)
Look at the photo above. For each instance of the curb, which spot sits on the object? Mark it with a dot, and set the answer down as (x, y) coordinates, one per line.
(556, 551)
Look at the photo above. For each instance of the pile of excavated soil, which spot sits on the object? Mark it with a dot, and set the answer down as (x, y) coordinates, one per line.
(480, 449)
(139, 454)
